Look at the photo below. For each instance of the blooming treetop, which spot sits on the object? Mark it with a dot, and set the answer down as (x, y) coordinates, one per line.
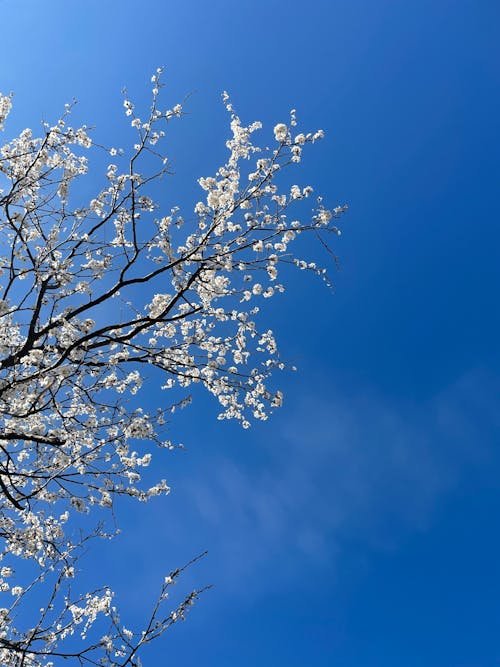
(78, 336)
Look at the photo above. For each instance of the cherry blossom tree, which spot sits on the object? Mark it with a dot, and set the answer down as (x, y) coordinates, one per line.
(94, 298)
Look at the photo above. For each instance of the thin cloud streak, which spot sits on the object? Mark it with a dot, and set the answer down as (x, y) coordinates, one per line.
(358, 470)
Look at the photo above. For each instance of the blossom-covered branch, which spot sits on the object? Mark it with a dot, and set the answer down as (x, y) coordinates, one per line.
(97, 296)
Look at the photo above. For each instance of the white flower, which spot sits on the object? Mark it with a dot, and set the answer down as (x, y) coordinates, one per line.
(213, 199)
(5, 107)
(280, 132)
(159, 304)
(106, 500)
(272, 271)
(87, 325)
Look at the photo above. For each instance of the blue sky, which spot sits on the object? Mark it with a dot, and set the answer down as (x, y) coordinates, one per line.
(360, 526)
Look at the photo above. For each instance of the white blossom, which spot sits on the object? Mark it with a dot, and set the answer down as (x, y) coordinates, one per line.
(280, 132)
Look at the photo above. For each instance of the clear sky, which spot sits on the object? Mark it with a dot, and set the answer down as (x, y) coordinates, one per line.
(358, 528)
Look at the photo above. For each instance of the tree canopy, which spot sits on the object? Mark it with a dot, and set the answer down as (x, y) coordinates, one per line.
(96, 296)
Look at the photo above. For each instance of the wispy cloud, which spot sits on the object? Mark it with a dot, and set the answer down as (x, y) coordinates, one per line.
(361, 470)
